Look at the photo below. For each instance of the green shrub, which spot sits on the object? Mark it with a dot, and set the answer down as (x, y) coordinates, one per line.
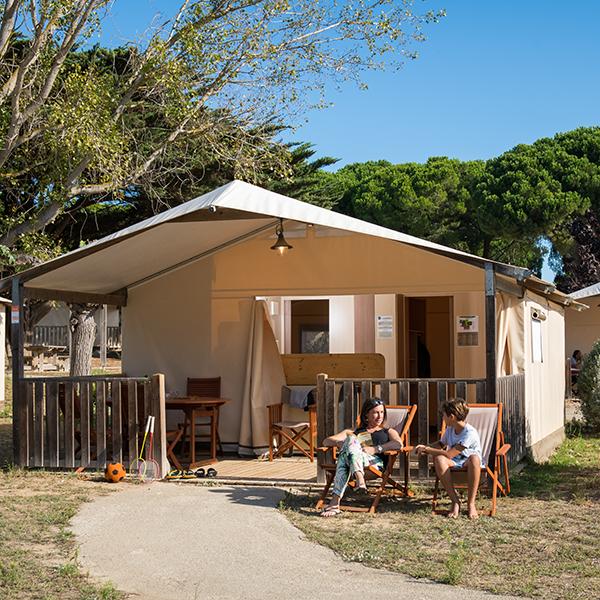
(588, 386)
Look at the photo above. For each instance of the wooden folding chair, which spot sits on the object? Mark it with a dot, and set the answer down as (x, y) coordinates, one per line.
(173, 437)
(207, 387)
(287, 435)
(399, 418)
(487, 420)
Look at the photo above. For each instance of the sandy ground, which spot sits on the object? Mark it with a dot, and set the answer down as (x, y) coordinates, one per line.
(169, 541)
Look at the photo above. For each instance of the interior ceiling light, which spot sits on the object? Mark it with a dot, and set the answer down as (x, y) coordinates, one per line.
(280, 245)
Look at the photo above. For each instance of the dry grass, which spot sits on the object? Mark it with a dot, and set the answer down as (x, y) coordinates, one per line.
(38, 556)
(542, 543)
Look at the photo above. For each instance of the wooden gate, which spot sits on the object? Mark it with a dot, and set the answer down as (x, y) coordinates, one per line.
(71, 422)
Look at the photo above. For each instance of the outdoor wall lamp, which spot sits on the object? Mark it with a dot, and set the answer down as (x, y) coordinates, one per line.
(280, 245)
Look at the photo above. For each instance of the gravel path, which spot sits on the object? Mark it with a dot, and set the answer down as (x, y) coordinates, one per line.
(178, 542)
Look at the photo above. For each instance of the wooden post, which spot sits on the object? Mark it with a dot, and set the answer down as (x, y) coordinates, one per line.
(19, 409)
(158, 408)
(103, 334)
(490, 333)
(2, 355)
(321, 423)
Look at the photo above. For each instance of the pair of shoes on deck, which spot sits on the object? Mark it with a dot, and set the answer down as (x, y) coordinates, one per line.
(209, 473)
(189, 474)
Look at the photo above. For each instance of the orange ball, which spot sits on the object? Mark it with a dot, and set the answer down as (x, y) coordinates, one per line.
(114, 472)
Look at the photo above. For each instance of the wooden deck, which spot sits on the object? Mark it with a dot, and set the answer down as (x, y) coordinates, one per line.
(283, 471)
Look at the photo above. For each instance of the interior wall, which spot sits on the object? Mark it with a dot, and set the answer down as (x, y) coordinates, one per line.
(582, 329)
(469, 361)
(385, 305)
(544, 381)
(341, 324)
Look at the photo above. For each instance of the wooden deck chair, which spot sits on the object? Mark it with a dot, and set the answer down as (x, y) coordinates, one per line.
(209, 387)
(173, 437)
(487, 420)
(287, 435)
(399, 418)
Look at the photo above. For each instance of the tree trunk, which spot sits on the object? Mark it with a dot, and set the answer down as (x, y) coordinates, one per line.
(83, 333)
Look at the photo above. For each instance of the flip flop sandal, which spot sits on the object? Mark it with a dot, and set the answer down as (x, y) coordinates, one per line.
(174, 474)
(211, 472)
(332, 511)
(200, 473)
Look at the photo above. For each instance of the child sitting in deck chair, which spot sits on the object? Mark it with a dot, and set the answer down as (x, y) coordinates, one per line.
(460, 447)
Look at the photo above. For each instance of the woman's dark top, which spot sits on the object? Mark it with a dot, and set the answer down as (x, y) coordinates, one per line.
(379, 437)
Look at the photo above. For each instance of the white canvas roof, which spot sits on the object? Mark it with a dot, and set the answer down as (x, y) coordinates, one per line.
(218, 219)
(586, 292)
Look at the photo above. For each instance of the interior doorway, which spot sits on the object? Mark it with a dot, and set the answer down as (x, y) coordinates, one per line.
(428, 340)
(426, 349)
(309, 326)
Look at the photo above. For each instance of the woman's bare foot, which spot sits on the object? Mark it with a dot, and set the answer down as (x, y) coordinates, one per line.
(454, 511)
(472, 512)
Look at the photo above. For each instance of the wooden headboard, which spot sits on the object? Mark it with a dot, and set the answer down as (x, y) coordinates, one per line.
(302, 369)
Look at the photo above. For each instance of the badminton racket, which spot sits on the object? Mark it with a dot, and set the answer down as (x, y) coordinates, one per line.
(152, 467)
(138, 466)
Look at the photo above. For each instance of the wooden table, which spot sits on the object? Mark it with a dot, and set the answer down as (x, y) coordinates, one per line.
(196, 407)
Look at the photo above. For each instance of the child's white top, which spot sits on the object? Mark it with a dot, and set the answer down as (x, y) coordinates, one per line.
(468, 438)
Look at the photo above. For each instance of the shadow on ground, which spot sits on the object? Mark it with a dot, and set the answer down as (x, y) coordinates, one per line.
(267, 497)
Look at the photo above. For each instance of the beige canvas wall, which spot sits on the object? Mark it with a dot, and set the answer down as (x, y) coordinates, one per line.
(195, 321)
(544, 381)
(582, 329)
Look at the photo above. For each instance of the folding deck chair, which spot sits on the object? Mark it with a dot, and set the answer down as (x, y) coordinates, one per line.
(487, 420)
(287, 435)
(398, 418)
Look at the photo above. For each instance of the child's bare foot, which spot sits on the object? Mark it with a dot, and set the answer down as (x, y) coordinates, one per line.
(454, 511)
(472, 512)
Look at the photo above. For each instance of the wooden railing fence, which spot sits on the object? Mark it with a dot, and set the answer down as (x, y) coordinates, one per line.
(510, 392)
(54, 336)
(57, 336)
(71, 422)
(338, 402)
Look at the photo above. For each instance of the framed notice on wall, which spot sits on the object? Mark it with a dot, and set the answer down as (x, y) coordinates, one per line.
(467, 330)
(385, 326)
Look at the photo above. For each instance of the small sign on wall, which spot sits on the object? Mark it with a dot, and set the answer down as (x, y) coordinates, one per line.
(385, 326)
(467, 324)
(14, 315)
(467, 330)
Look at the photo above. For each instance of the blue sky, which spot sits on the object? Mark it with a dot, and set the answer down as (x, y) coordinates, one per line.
(491, 75)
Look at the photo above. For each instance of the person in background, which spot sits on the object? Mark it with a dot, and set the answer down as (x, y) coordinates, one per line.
(576, 361)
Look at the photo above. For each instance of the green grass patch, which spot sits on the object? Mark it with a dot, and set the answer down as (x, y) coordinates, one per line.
(543, 541)
(38, 555)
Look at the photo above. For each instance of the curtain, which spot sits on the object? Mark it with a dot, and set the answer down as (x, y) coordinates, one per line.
(510, 342)
(262, 385)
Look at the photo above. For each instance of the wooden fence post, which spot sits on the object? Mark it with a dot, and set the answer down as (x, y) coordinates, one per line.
(157, 406)
(490, 333)
(20, 452)
(321, 423)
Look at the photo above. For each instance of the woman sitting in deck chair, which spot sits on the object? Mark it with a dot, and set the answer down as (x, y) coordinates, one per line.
(459, 447)
(359, 448)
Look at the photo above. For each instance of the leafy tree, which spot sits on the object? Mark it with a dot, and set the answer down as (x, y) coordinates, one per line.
(502, 209)
(588, 385)
(216, 72)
